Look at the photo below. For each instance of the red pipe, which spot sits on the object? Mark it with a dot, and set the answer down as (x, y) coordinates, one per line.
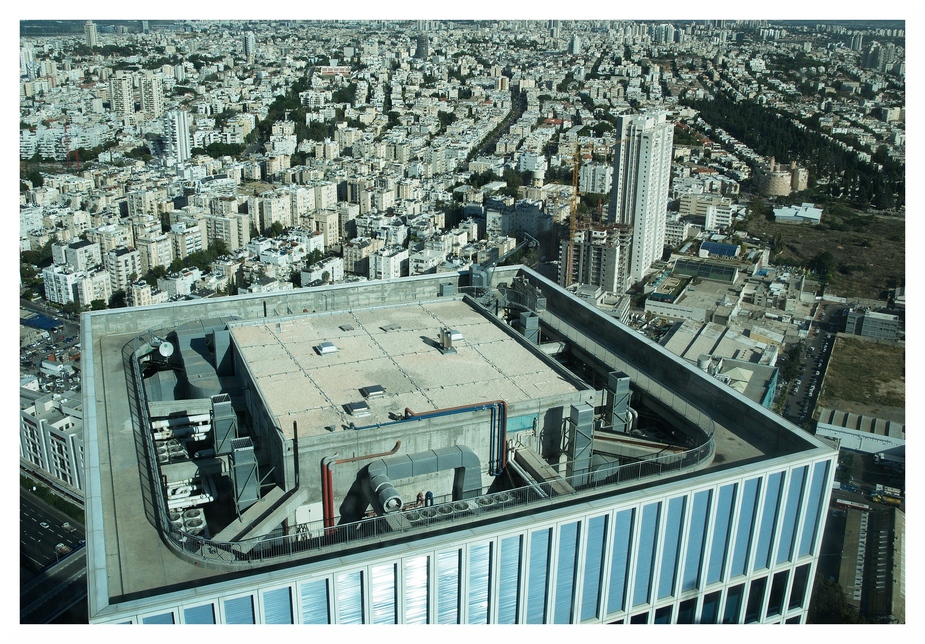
(327, 481)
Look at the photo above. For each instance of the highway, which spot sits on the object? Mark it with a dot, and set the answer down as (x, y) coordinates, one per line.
(53, 579)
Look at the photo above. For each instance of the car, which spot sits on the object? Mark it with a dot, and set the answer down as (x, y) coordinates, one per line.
(43, 524)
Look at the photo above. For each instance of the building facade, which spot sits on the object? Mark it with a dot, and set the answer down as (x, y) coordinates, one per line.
(516, 491)
(641, 181)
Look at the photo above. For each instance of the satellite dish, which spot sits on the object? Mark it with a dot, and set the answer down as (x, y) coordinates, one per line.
(165, 349)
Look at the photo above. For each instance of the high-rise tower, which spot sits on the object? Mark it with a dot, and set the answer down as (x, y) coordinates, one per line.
(250, 46)
(176, 134)
(152, 96)
(91, 34)
(122, 94)
(641, 178)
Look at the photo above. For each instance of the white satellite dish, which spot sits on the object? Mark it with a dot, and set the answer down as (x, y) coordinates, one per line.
(165, 349)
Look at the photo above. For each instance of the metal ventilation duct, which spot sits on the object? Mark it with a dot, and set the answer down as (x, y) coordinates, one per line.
(467, 481)
(244, 474)
(224, 423)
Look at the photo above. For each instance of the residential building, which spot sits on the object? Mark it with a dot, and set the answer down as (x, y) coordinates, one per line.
(152, 96)
(388, 262)
(121, 94)
(124, 267)
(177, 135)
(51, 435)
(639, 201)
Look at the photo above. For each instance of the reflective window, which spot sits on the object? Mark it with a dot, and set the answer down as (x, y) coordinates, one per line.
(204, 614)
(165, 618)
(768, 521)
(641, 618)
(798, 589)
(536, 579)
(277, 606)
(744, 529)
(448, 587)
(239, 610)
(670, 547)
(622, 541)
(733, 604)
(479, 576)
(776, 596)
(594, 559)
(788, 526)
(565, 572)
(710, 611)
(315, 602)
(720, 540)
(793, 620)
(350, 597)
(814, 507)
(509, 580)
(648, 532)
(686, 611)
(415, 590)
(697, 534)
(382, 591)
(755, 598)
(662, 615)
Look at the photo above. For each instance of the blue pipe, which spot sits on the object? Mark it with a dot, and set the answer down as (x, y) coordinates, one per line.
(497, 428)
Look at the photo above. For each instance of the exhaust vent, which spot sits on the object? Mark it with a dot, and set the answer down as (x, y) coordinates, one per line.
(326, 348)
(373, 391)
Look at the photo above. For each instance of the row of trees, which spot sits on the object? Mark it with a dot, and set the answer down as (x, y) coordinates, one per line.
(834, 171)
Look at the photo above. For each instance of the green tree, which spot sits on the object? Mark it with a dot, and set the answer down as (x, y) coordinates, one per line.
(97, 305)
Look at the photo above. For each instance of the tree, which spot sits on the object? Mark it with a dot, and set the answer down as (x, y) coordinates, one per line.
(829, 606)
(97, 305)
(823, 264)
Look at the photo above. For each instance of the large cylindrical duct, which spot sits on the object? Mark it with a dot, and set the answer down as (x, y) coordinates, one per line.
(386, 493)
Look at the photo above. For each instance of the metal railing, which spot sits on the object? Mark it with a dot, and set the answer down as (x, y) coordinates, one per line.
(314, 538)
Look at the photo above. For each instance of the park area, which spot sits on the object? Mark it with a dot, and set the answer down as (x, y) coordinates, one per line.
(864, 253)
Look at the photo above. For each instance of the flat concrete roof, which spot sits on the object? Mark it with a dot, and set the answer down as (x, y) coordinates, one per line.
(395, 348)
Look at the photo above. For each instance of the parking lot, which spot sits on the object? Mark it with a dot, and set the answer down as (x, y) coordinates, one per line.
(803, 392)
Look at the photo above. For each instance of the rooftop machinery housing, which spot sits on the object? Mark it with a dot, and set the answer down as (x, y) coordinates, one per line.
(426, 450)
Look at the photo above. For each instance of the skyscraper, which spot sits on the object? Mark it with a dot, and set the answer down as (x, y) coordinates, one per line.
(176, 136)
(152, 96)
(395, 452)
(250, 46)
(641, 179)
(90, 34)
(121, 94)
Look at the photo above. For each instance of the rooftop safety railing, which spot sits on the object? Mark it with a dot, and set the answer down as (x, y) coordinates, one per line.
(308, 539)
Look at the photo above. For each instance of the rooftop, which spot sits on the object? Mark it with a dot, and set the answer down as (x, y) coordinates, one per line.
(396, 348)
(387, 335)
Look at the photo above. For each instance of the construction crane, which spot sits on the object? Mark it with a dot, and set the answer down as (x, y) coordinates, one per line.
(572, 218)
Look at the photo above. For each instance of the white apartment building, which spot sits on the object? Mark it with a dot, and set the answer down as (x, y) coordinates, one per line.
(596, 178)
(333, 267)
(59, 283)
(639, 200)
(121, 94)
(80, 255)
(388, 262)
(152, 96)
(51, 434)
(124, 267)
(155, 251)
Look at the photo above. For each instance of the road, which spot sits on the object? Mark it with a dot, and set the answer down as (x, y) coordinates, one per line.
(37, 543)
(52, 579)
(803, 392)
